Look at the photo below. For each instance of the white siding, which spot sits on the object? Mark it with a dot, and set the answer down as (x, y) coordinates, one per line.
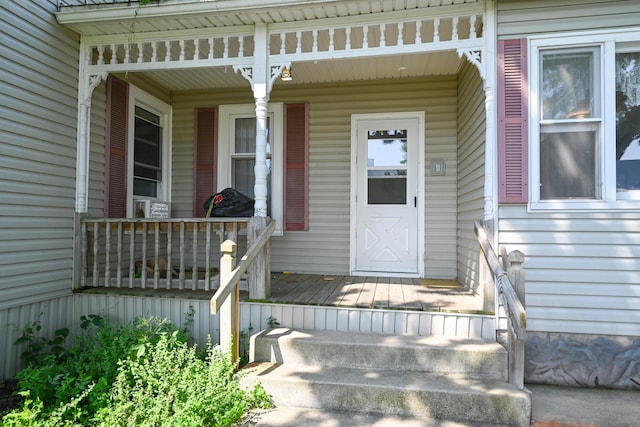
(520, 18)
(122, 309)
(97, 151)
(37, 153)
(325, 247)
(471, 151)
(582, 269)
(66, 312)
(52, 314)
(402, 322)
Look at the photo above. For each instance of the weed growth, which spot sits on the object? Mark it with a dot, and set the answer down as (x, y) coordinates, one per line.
(145, 373)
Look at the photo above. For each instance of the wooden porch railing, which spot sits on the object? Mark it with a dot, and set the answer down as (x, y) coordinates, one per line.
(513, 303)
(175, 253)
(225, 301)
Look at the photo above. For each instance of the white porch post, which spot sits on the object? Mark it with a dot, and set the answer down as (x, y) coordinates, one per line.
(261, 89)
(491, 135)
(86, 84)
(490, 297)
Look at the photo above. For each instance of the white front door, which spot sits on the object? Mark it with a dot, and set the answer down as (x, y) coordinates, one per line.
(387, 193)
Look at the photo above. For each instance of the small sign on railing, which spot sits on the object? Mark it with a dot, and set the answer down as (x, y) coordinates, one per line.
(160, 210)
(152, 209)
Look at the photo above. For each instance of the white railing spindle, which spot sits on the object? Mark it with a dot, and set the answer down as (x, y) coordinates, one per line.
(96, 240)
(143, 267)
(169, 253)
(119, 256)
(472, 27)
(107, 255)
(454, 28)
(132, 254)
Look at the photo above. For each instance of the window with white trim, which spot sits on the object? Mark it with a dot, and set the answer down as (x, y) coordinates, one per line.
(585, 116)
(237, 154)
(149, 148)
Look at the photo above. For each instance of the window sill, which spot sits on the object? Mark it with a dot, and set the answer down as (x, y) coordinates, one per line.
(584, 206)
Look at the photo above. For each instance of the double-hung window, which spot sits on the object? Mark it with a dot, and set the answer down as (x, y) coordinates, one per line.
(237, 154)
(585, 111)
(149, 148)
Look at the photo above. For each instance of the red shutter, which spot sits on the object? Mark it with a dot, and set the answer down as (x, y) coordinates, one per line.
(205, 158)
(513, 121)
(115, 205)
(296, 165)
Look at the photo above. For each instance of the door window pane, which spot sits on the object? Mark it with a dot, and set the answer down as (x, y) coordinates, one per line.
(387, 167)
(567, 85)
(628, 121)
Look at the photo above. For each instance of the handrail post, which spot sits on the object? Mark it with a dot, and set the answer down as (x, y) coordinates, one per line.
(515, 273)
(513, 303)
(79, 255)
(229, 310)
(259, 273)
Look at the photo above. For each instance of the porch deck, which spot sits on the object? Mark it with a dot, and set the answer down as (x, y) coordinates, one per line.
(342, 291)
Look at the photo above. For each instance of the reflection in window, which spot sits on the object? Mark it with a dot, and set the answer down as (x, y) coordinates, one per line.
(628, 121)
(567, 85)
(567, 165)
(387, 167)
(570, 125)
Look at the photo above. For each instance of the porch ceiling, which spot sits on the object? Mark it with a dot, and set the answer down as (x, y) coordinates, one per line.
(328, 71)
(105, 18)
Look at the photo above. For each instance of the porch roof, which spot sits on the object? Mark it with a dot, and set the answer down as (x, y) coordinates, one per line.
(102, 17)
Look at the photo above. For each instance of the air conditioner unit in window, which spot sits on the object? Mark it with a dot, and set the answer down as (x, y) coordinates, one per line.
(141, 208)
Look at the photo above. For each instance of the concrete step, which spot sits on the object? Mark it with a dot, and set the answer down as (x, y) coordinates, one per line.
(434, 377)
(393, 392)
(447, 355)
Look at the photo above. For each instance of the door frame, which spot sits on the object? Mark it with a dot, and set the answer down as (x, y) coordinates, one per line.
(420, 179)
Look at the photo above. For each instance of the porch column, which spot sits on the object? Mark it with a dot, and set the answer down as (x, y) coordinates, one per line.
(490, 297)
(491, 111)
(261, 80)
(260, 184)
(86, 84)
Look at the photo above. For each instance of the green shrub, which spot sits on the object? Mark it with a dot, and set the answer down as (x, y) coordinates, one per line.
(170, 385)
(144, 373)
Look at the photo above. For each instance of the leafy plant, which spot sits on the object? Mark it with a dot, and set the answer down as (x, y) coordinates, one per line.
(245, 338)
(170, 385)
(35, 345)
(272, 322)
(122, 370)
